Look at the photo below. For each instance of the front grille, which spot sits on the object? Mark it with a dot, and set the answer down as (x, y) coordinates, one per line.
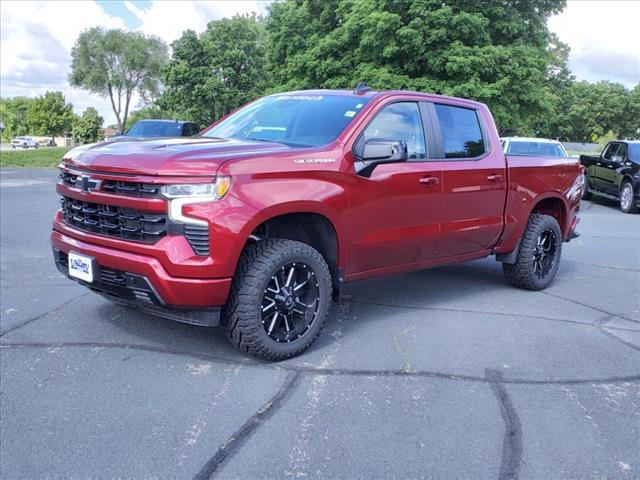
(113, 221)
(118, 187)
(132, 189)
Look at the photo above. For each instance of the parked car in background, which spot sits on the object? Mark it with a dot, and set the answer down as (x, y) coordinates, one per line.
(24, 142)
(160, 129)
(615, 174)
(48, 142)
(256, 224)
(532, 147)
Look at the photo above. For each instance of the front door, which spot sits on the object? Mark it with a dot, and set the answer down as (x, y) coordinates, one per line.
(395, 212)
(601, 173)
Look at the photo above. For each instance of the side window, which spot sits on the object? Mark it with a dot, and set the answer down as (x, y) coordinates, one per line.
(612, 150)
(622, 151)
(400, 121)
(195, 129)
(461, 133)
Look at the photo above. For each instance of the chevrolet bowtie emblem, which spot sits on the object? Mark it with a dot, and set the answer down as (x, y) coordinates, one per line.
(86, 183)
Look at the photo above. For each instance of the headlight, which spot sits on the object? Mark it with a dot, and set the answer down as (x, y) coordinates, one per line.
(183, 194)
(213, 191)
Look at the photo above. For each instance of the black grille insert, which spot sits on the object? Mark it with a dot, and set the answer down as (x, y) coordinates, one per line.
(117, 187)
(113, 221)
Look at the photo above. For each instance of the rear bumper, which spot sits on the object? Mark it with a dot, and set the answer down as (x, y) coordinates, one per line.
(142, 281)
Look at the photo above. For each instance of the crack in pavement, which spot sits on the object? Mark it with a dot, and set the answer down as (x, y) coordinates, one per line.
(324, 371)
(599, 265)
(597, 309)
(485, 312)
(601, 325)
(45, 314)
(512, 442)
(234, 443)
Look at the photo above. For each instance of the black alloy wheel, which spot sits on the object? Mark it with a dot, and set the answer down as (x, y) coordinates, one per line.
(290, 302)
(279, 300)
(544, 253)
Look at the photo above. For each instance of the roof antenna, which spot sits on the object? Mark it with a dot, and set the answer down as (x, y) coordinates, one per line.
(361, 88)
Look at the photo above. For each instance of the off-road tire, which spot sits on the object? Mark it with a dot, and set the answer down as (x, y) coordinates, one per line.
(632, 208)
(242, 315)
(586, 194)
(522, 273)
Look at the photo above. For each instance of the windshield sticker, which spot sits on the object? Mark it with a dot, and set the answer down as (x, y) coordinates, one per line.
(358, 106)
(350, 113)
(301, 97)
(315, 160)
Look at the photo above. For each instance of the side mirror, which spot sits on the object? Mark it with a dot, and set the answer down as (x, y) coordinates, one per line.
(377, 151)
(616, 158)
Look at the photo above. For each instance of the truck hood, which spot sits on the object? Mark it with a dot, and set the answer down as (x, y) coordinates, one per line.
(166, 156)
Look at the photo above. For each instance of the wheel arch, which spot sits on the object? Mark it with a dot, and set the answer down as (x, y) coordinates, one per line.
(306, 224)
(554, 206)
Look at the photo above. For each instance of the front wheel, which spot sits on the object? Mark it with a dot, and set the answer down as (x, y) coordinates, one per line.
(627, 203)
(539, 255)
(279, 300)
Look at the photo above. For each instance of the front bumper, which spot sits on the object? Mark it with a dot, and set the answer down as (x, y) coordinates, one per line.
(141, 281)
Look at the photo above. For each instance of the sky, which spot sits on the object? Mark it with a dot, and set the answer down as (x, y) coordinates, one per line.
(37, 37)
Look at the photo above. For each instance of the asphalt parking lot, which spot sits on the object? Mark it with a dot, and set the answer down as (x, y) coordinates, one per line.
(447, 373)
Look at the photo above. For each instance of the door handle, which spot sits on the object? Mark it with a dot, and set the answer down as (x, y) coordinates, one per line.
(494, 177)
(429, 181)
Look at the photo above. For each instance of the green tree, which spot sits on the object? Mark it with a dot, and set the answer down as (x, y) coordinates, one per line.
(13, 113)
(88, 127)
(211, 74)
(116, 64)
(50, 114)
(631, 115)
(494, 52)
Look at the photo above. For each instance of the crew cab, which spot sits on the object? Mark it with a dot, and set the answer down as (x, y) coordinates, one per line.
(257, 223)
(615, 174)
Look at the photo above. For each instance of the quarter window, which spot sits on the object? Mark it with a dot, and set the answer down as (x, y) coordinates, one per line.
(461, 132)
(400, 121)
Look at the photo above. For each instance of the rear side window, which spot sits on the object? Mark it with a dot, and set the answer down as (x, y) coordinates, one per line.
(461, 132)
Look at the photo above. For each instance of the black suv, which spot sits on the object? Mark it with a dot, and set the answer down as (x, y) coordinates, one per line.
(615, 174)
(162, 128)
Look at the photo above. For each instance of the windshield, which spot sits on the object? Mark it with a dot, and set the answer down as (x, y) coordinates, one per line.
(146, 129)
(300, 120)
(536, 149)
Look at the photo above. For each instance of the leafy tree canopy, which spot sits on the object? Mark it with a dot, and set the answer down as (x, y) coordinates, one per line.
(13, 113)
(88, 127)
(116, 64)
(50, 114)
(494, 52)
(213, 73)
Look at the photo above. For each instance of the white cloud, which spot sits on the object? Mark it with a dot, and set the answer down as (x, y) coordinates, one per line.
(37, 37)
(168, 19)
(604, 37)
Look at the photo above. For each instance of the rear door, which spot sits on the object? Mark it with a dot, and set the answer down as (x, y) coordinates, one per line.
(474, 180)
(394, 214)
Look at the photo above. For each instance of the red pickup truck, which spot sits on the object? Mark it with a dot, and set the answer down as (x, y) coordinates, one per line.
(256, 223)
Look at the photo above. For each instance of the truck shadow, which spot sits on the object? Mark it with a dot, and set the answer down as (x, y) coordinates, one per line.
(468, 280)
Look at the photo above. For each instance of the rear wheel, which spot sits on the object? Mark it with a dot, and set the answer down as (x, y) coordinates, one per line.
(539, 255)
(627, 203)
(279, 300)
